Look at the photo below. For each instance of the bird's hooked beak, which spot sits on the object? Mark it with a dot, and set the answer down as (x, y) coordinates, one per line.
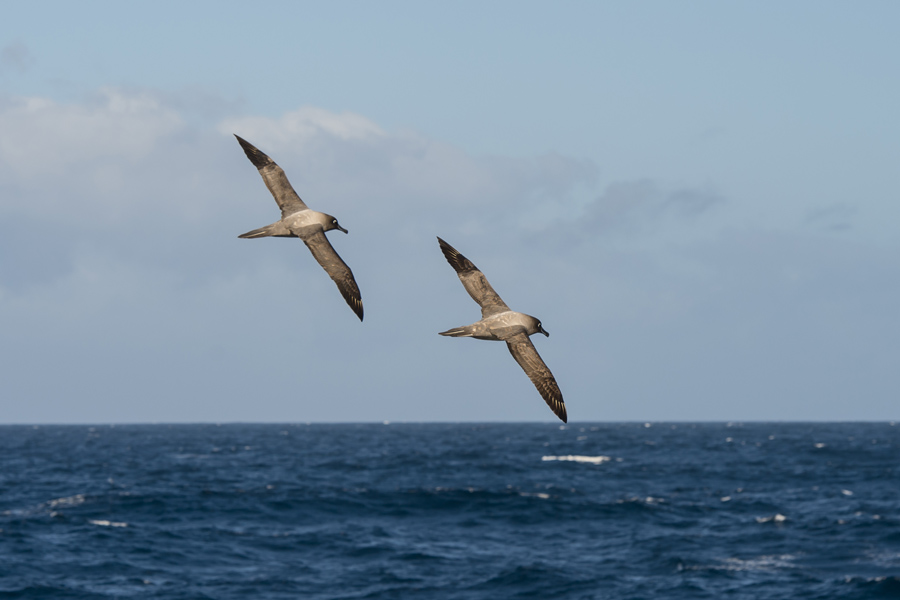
(341, 228)
(544, 332)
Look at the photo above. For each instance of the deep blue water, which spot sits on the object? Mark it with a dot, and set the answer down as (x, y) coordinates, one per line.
(451, 511)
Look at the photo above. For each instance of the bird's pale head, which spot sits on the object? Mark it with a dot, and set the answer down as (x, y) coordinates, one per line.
(535, 327)
(332, 223)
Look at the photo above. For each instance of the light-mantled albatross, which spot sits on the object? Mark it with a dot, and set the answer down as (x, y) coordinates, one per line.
(500, 323)
(298, 220)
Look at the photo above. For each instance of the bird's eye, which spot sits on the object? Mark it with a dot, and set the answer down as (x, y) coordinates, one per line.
(334, 221)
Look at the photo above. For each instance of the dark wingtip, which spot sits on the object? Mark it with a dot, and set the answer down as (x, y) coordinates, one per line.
(564, 417)
(356, 306)
(560, 411)
(459, 262)
(257, 157)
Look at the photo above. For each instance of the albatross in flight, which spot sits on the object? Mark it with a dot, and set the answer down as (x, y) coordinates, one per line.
(500, 323)
(298, 220)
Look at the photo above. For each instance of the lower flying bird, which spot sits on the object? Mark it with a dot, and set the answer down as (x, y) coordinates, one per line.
(298, 220)
(500, 323)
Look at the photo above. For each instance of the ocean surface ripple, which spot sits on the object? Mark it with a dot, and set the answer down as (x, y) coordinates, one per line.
(451, 511)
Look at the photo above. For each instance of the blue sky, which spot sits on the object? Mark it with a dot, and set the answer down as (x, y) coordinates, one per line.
(699, 200)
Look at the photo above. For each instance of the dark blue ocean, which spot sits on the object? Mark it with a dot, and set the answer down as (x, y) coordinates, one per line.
(451, 511)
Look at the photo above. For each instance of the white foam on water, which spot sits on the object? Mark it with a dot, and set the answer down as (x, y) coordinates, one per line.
(776, 518)
(103, 523)
(191, 456)
(596, 460)
(760, 563)
(67, 501)
(885, 558)
(540, 495)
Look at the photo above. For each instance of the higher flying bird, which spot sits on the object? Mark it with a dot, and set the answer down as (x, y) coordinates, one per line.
(500, 323)
(298, 220)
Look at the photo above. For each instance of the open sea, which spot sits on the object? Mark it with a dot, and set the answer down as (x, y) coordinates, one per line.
(451, 511)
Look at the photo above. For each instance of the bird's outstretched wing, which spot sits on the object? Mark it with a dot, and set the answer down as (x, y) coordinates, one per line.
(474, 281)
(321, 248)
(274, 178)
(527, 356)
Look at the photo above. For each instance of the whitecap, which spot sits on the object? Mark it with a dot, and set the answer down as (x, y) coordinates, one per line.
(104, 523)
(67, 501)
(759, 563)
(776, 518)
(578, 458)
(540, 495)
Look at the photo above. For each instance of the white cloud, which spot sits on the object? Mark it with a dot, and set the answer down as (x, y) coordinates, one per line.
(347, 158)
(834, 217)
(119, 224)
(301, 125)
(43, 139)
(634, 205)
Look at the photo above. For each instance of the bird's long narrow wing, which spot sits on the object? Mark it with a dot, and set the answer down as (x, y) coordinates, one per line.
(527, 356)
(321, 248)
(474, 281)
(274, 178)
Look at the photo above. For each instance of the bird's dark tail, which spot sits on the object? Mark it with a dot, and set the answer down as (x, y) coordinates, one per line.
(266, 231)
(465, 331)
